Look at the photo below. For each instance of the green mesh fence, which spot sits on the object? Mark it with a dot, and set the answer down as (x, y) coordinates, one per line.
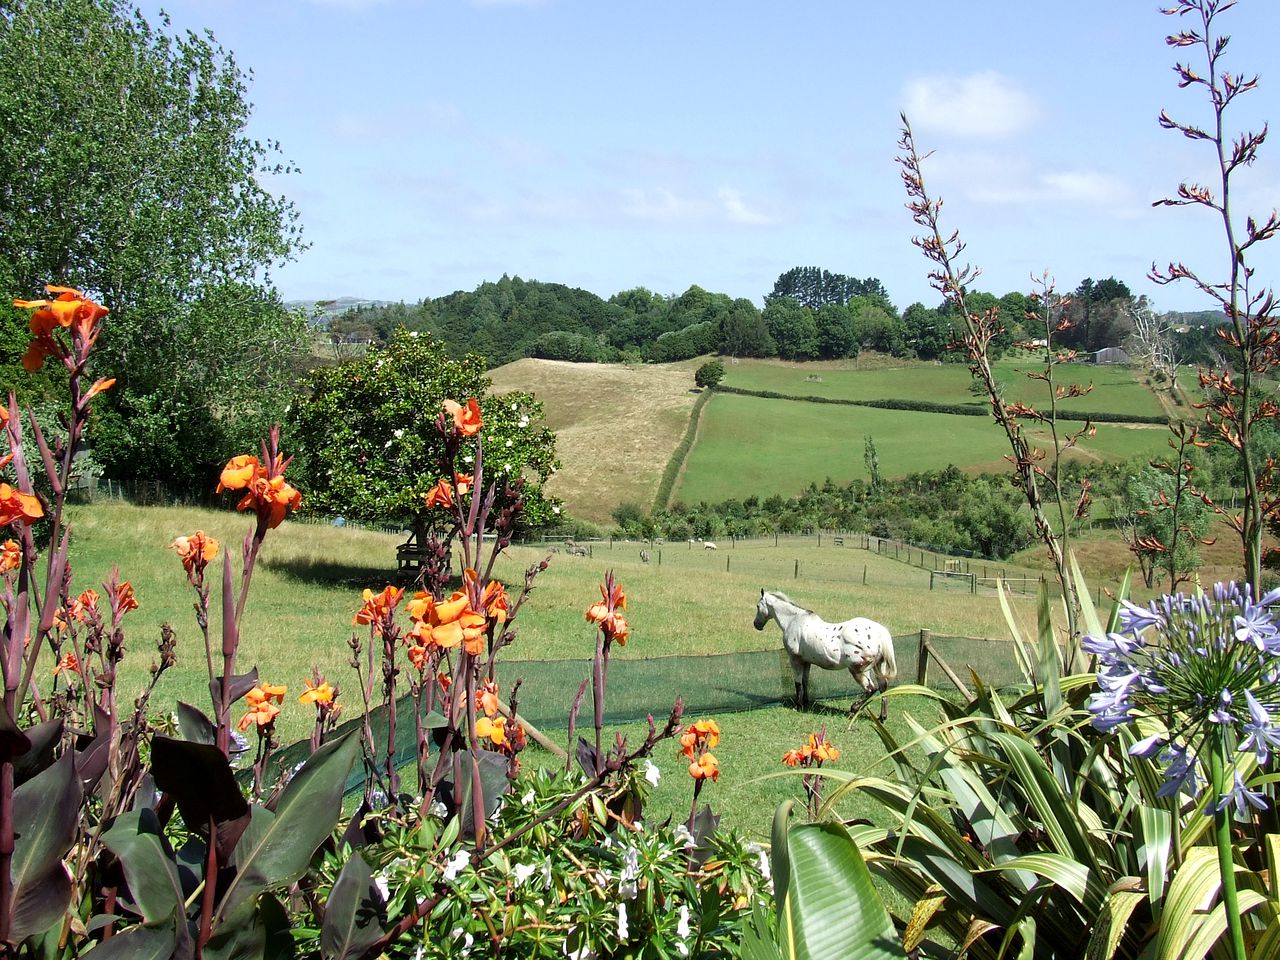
(710, 685)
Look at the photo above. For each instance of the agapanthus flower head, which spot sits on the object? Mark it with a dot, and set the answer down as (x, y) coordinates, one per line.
(1207, 666)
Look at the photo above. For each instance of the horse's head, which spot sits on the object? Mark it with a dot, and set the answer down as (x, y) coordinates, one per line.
(763, 611)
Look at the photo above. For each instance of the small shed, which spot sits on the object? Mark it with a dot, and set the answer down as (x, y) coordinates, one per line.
(1110, 355)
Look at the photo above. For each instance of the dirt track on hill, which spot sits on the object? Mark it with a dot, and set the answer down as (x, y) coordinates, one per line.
(616, 426)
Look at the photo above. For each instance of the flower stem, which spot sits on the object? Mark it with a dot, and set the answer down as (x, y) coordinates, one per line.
(1222, 835)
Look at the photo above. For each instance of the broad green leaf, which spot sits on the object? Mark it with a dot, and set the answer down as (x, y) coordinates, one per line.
(1025, 660)
(1057, 815)
(831, 908)
(756, 941)
(1195, 883)
(276, 847)
(136, 840)
(1112, 923)
(46, 813)
(254, 931)
(1089, 621)
(1213, 924)
(353, 913)
(780, 861)
(1070, 875)
(144, 942)
(1153, 852)
(44, 739)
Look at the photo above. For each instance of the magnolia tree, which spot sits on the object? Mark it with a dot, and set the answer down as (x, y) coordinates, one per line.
(370, 449)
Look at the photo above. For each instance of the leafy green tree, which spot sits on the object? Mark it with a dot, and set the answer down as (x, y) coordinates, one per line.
(743, 332)
(877, 328)
(814, 287)
(368, 444)
(792, 328)
(837, 332)
(709, 374)
(127, 172)
(929, 333)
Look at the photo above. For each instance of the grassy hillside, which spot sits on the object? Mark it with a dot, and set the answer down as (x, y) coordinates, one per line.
(616, 426)
(1114, 388)
(752, 446)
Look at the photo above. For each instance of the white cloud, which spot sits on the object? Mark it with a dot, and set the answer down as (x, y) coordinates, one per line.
(983, 104)
(659, 205)
(736, 209)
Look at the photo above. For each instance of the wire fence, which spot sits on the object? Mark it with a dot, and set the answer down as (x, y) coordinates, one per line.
(709, 685)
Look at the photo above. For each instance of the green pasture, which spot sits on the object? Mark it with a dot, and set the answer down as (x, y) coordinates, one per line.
(749, 446)
(683, 602)
(1115, 388)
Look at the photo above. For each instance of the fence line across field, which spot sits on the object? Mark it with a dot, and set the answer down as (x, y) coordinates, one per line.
(710, 685)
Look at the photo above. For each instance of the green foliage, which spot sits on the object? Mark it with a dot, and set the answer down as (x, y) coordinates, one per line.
(709, 374)
(129, 174)
(816, 288)
(827, 906)
(369, 448)
(792, 327)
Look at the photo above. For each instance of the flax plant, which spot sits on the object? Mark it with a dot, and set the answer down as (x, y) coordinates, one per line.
(951, 278)
(1235, 403)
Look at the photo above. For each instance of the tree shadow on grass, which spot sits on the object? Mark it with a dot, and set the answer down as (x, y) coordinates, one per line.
(330, 573)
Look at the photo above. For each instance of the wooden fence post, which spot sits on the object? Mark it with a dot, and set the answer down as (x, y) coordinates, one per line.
(864, 574)
(946, 668)
(797, 575)
(922, 662)
(726, 564)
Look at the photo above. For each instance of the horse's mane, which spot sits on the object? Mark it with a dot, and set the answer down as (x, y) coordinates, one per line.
(783, 597)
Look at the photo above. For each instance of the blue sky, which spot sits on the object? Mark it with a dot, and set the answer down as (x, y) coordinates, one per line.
(615, 143)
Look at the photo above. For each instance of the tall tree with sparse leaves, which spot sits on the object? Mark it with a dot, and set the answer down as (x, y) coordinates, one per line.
(129, 173)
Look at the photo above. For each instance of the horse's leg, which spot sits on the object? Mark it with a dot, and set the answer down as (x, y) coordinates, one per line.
(860, 676)
(798, 670)
(804, 679)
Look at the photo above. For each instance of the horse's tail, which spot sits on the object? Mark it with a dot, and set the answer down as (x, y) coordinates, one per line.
(887, 667)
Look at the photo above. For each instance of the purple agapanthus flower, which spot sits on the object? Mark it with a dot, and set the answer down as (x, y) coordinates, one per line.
(1240, 795)
(1262, 736)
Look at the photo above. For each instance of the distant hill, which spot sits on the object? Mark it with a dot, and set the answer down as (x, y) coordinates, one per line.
(320, 312)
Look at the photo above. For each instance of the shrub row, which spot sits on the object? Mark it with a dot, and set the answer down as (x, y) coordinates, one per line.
(668, 482)
(929, 406)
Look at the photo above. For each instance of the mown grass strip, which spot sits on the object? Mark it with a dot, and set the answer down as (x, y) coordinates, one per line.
(929, 406)
(672, 472)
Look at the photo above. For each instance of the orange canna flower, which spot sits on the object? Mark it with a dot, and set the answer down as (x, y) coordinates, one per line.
(493, 599)
(462, 483)
(238, 473)
(266, 692)
(195, 551)
(699, 736)
(447, 623)
(124, 598)
(99, 386)
(86, 603)
(441, 495)
(266, 490)
(444, 680)
(606, 613)
(493, 729)
(262, 713)
(466, 419)
(320, 694)
(10, 556)
(68, 662)
(792, 757)
(68, 309)
(378, 607)
(705, 767)
(418, 657)
(18, 507)
(487, 698)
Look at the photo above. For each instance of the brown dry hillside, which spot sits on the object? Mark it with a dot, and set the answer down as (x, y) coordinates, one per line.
(616, 426)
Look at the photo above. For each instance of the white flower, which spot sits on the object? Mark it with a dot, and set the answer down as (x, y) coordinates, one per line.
(623, 932)
(555, 509)
(383, 883)
(414, 334)
(397, 434)
(682, 924)
(387, 445)
(581, 953)
(467, 939)
(529, 797)
(764, 861)
(468, 458)
(514, 408)
(422, 950)
(457, 865)
(651, 772)
(508, 442)
(684, 836)
(524, 421)
(506, 468)
(438, 810)
(520, 872)
(627, 886)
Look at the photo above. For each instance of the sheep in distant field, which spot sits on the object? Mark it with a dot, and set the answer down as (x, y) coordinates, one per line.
(708, 545)
(644, 556)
